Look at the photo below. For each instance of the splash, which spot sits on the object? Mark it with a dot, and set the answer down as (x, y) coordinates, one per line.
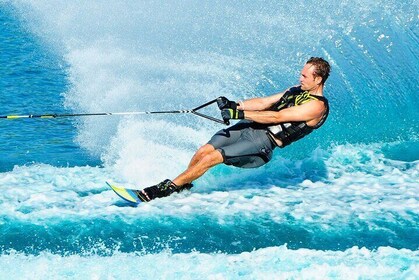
(122, 59)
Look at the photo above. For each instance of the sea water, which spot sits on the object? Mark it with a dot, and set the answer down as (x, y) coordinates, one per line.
(341, 203)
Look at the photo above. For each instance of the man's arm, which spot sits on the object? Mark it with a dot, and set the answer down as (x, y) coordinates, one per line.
(305, 112)
(259, 103)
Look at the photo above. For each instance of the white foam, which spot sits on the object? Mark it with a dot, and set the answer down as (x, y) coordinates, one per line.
(268, 263)
(44, 192)
(142, 155)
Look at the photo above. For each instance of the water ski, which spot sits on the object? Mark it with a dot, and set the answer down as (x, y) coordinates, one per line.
(129, 195)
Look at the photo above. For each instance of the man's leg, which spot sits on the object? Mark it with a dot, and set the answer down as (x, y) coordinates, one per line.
(201, 153)
(205, 158)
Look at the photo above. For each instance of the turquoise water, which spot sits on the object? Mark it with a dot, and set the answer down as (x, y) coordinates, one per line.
(339, 204)
(32, 82)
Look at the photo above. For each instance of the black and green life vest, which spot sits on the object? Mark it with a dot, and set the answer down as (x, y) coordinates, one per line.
(292, 131)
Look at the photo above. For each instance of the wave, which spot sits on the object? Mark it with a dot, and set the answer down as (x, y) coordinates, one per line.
(267, 263)
(122, 59)
(356, 202)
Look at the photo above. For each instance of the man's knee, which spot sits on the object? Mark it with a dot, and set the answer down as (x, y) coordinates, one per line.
(213, 157)
(205, 149)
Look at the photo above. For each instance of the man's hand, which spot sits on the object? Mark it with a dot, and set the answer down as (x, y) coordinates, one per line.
(224, 103)
(231, 114)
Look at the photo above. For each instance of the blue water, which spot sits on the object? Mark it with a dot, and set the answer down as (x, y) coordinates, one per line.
(342, 203)
(32, 82)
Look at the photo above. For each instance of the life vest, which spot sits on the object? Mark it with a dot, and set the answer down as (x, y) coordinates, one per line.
(292, 131)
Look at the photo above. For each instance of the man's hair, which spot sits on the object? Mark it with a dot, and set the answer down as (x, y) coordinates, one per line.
(322, 67)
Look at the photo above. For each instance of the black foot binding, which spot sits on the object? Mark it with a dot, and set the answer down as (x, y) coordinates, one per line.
(186, 186)
(162, 189)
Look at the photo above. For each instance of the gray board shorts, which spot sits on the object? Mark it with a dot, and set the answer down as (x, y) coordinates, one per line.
(245, 144)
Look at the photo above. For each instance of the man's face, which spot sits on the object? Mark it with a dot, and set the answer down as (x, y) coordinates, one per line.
(307, 79)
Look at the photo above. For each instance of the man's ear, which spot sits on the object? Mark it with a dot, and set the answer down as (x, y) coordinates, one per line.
(318, 80)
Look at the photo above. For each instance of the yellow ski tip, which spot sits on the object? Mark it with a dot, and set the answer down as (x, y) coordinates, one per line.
(126, 194)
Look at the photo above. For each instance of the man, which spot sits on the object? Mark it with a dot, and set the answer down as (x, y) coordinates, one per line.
(269, 122)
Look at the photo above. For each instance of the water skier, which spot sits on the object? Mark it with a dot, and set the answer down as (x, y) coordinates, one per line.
(266, 123)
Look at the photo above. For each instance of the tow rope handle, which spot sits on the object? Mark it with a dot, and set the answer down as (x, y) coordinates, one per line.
(194, 111)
